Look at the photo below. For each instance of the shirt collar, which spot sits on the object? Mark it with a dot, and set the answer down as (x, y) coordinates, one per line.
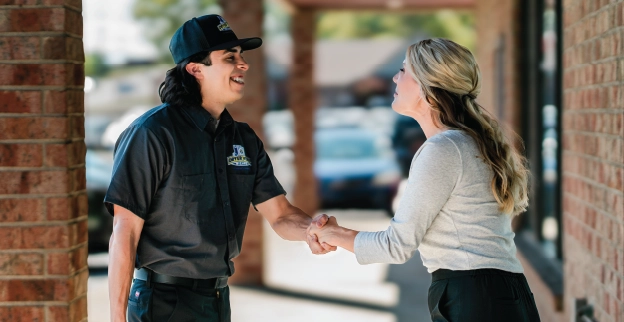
(201, 117)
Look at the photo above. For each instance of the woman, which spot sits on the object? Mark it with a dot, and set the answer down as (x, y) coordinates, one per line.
(465, 185)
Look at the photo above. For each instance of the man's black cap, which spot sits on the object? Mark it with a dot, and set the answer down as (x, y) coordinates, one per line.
(206, 33)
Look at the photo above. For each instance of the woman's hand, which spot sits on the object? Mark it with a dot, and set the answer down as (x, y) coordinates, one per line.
(328, 234)
(332, 234)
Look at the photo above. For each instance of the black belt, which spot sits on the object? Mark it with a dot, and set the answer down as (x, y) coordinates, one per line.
(150, 276)
(442, 274)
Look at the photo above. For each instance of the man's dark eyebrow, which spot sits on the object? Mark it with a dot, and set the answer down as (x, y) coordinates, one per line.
(232, 50)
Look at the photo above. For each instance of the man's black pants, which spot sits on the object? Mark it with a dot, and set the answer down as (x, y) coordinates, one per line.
(164, 302)
(482, 295)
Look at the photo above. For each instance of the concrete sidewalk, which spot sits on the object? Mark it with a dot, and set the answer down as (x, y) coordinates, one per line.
(305, 287)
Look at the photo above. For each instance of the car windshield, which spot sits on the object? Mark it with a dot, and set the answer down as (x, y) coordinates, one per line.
(329, 147)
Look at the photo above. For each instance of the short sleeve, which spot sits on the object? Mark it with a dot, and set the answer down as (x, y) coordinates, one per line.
(138, 168)
(266, 186)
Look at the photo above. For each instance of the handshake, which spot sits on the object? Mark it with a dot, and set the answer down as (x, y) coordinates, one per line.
(324, 235)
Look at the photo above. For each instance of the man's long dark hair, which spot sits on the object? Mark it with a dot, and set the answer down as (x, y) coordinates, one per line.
(181, 88)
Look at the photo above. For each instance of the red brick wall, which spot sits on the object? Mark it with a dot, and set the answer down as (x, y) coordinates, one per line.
(593, 156)
(43, 202)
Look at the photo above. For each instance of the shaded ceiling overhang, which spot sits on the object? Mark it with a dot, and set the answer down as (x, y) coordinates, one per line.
(383, 4)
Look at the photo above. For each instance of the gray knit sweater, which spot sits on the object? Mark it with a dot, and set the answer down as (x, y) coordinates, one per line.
(447, 212)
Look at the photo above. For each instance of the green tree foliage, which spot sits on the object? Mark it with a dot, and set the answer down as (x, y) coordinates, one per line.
(454, 25)
(161, 18)
(95, 66)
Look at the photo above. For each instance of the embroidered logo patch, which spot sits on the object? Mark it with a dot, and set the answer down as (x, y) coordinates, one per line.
(238, 158)
(136, 294)
(223, 26)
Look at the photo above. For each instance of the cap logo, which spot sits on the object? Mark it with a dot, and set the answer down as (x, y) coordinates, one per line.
(223, 26)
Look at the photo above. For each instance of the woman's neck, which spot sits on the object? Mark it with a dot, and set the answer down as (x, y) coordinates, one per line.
(425, 120)
(431, 129)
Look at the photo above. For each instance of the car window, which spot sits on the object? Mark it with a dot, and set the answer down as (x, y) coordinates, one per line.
(335, 148)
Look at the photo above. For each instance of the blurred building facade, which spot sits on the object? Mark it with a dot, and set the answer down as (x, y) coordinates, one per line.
(553, 71)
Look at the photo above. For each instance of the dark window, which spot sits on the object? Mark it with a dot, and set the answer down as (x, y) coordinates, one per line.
(542, 94)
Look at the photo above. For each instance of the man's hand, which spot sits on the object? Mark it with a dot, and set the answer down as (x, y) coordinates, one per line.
(291, 223)
(312, 240)
(331, 234)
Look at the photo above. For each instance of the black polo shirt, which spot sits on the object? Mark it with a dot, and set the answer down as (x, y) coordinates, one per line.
(192, 184)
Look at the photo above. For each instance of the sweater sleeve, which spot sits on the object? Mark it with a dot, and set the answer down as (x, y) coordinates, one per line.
(434, 173)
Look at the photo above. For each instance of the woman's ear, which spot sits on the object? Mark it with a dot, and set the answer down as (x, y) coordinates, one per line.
(195, 70)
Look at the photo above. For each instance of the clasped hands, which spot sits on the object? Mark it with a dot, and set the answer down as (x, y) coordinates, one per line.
(322, 233)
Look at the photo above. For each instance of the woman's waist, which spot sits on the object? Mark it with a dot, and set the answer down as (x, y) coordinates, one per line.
(435, 257)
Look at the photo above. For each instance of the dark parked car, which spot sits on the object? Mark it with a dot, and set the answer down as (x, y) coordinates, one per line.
(355, 168)
(99, 166)
(406, 140)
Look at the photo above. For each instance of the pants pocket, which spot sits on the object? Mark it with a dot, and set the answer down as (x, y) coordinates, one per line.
(193, 306)
(138, 302)
(437, 290)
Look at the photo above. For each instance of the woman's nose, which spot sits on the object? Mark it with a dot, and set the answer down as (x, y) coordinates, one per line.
(395, 78)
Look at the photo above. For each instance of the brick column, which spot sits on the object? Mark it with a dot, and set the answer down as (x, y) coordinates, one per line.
(302, 102)
(593, 156)
(43, 202)
(246, 18)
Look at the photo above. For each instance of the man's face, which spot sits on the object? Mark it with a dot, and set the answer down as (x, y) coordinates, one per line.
(224, 80)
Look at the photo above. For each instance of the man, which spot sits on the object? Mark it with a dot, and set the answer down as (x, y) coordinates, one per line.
(184, 176)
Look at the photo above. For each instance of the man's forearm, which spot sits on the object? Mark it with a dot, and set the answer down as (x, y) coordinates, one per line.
(120, 269)
(293, 226)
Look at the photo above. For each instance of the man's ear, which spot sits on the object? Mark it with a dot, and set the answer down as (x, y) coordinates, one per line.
(195, 70)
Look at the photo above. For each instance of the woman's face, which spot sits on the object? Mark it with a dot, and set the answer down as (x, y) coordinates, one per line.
(407, 98)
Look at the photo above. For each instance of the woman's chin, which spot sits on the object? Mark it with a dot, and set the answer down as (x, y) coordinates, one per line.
(396, 106)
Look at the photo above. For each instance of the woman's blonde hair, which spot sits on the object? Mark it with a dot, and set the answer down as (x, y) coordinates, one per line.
(449, 80)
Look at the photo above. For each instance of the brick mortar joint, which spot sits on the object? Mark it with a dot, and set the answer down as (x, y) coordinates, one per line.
(591, 206)
(591, 181)
(44, 251)
(42, 141)
(34, 303)
(44, 196)
(40, 34)
(594, 111)
(40, 6)
(594, 232)
(38, 115)
(41, 277)
(593, 14)
(43, 62)
(593, 134)
(576, 67)
(567, 70)
(588, 41)
(46, 223)
(42, 169)
(40, 88)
